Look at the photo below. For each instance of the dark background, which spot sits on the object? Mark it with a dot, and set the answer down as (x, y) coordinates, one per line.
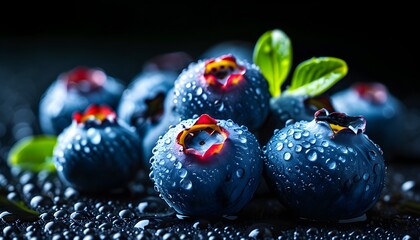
(38, 43)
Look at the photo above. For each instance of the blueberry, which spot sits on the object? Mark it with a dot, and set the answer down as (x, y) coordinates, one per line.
(74, 91)
(225, 88)
(147, 105)
(325, 169)
(291, 108)
(207, 167)
(97, 152)
(383, 111)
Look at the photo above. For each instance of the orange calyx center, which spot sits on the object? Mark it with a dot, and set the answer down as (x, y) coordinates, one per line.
(84, 79)
(341, 122)
(95, 113)
(205, 138)
(223, 72)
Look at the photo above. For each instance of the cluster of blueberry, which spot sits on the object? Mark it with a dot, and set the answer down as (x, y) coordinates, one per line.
(212, 134)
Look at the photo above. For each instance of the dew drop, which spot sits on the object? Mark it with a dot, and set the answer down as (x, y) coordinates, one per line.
(331, 164)
(167, 141)
(290, 132)
(311, 155)
(199, 91)
(290, 144)
(344, 150)
(372, 155)
(305, 133)
(221, 107)
(94, 135)
(178, 165)
(298, 148)
(279, 146)
(229, 122)
(242, 139)
(182, 172)
(188, 85)
(77, 147)
(186, 184)
(240, 173)
(325, 143)
(86, 149)
(297, 135)
(287, 156)
(366, 176)
(282, 136)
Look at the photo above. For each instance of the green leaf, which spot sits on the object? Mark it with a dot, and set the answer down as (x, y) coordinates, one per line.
(316, 75)
(33, 153)
(273, 54)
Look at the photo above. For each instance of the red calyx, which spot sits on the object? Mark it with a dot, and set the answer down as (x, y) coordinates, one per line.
(204, 139)
(95, 113)
(374, 92)
(84, 79)
(224, 71)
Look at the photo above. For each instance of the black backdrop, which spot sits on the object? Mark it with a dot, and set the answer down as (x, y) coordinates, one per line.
(36, 44)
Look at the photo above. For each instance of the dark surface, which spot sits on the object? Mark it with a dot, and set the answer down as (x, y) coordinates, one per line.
(34, 52)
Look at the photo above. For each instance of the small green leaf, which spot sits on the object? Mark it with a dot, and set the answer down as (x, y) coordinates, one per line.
(33, 153)
(316, 75)
(273, 54)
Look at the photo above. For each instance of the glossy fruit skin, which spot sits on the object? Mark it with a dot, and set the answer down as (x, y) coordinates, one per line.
(60, 101)
(98, 157)
(217, 185)
(384, 113)
(245, 102)
(320, 175)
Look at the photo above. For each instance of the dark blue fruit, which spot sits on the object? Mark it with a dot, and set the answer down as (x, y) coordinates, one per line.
(225, 88)
(142, 103)
(207, 167)
(383, 112)
(325, 169)
(97, 152)
(74, 91)
(147, 104)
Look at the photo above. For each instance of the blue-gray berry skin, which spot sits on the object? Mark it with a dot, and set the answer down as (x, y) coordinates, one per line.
(325, 174)
(147, 104)
(94, 155)
(214, 174)
(141, 104)
(74, 91)
(383, 112)
(225, 88)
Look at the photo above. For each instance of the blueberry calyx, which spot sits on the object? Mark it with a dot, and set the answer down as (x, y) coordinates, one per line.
(204, 138)
(375, 92)
(84, 79)
(340, 121)
(95, 115)
(223, 72)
